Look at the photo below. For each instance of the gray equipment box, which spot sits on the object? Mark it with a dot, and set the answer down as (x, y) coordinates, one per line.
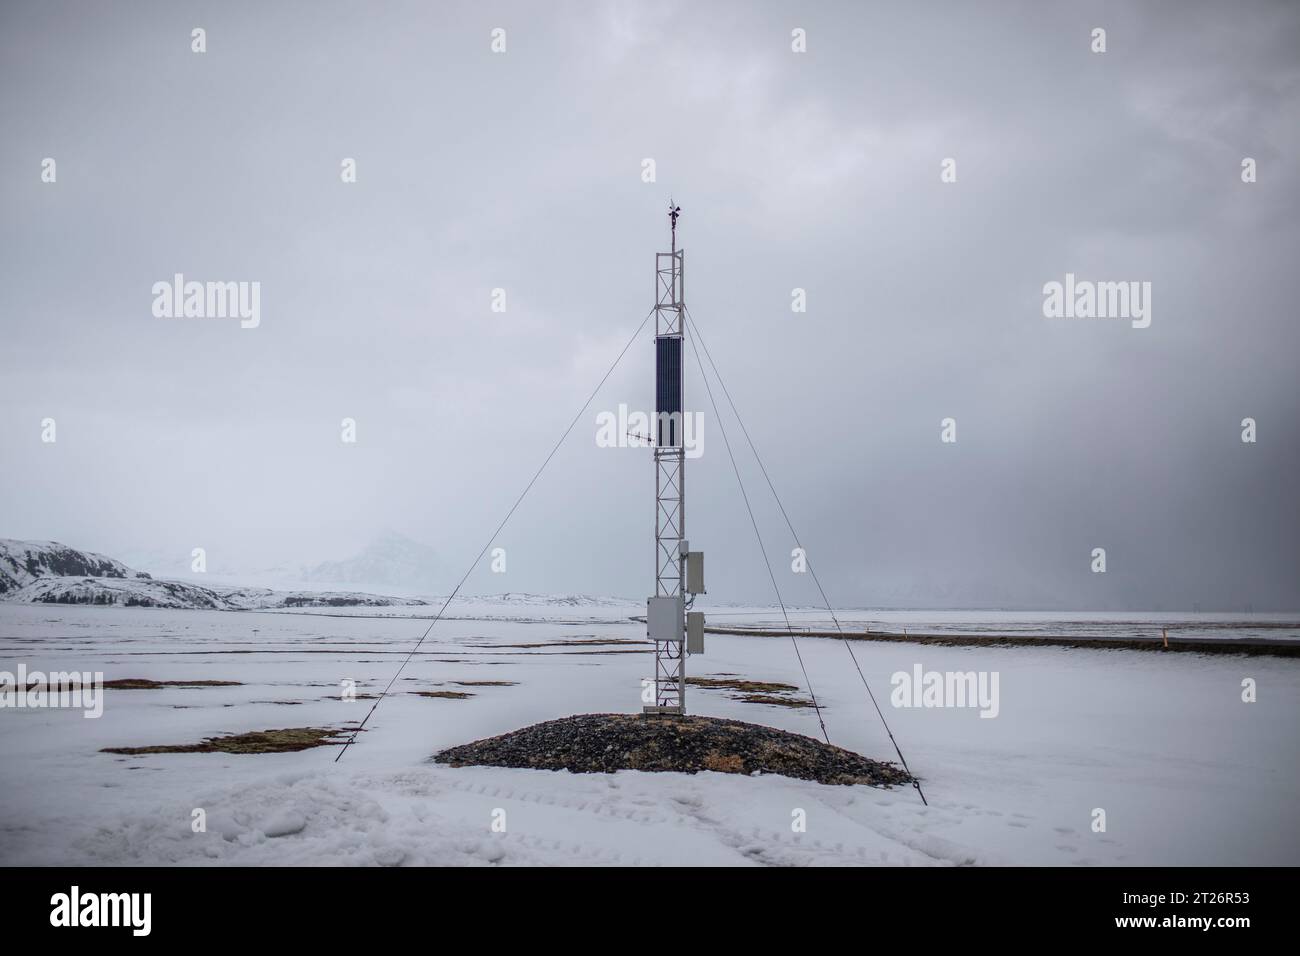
(694, 632)
(695, 572)
(664, 618)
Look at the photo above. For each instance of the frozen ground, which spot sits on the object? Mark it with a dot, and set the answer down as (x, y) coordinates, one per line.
(1186, 772)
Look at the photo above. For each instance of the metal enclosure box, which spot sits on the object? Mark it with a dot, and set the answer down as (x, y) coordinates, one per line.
(664, 618)
(695, 632)
(695, 572)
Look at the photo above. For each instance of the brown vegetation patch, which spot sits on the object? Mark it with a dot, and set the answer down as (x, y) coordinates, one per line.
(796, 702)
(131, 683)
(753, 691)
(286, 740)
(749, 686)
(723, 763)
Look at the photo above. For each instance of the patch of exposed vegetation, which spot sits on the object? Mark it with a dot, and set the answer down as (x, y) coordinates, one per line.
(1193, 645)
(140, 683)
(773, 700)
(485, 683)
(573, 643)
(134, 683)
(753, 691)
(446, 694)
(723, 763)
(286, 740)
(748, 686)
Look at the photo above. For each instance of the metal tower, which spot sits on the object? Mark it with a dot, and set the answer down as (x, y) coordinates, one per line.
(678, 571)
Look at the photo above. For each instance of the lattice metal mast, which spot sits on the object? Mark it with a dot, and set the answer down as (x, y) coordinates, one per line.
(678, 571)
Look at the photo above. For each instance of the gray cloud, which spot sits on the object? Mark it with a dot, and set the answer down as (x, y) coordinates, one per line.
(522, 170)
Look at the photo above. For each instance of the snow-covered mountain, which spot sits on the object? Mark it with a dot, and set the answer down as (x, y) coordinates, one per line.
(126, 592)
(22, 562)
(46, 572)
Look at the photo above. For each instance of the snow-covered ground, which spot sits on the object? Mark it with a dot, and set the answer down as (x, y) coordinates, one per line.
(1186, 772)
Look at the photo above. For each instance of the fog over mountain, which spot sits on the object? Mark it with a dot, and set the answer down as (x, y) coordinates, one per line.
(392, 561)
(523, 171)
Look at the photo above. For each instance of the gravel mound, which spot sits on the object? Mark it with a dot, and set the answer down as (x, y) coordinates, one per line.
(603, 743)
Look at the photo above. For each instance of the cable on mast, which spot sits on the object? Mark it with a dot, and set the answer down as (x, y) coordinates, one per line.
(509, 513)
(847, 646)
(752, 520)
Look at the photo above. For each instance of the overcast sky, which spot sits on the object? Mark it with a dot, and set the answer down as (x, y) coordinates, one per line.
(522, 170)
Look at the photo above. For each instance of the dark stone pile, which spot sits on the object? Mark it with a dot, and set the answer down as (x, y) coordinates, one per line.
(603, 743)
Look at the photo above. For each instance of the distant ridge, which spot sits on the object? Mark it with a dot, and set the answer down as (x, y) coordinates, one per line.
(47, 572)
(22, 562)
